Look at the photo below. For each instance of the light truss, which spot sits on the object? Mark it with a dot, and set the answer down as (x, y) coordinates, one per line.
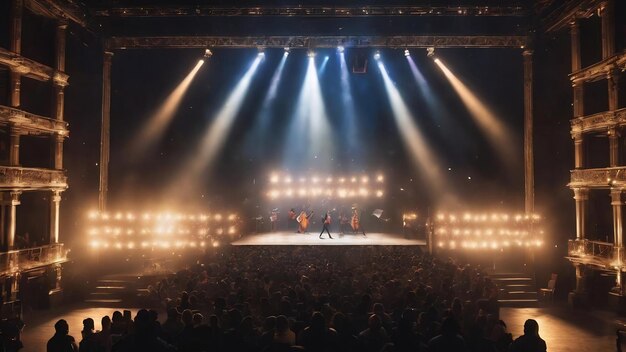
(311, 11)
(438, 41)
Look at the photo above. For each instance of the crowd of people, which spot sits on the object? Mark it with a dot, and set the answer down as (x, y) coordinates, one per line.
(314, 299)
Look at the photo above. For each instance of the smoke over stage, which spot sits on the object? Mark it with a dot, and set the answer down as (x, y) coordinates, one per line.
(286, 238)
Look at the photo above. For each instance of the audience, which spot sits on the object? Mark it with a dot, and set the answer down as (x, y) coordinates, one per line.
(62, 341)
(315, 299)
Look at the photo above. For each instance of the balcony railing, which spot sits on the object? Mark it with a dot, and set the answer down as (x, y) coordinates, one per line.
(25, 178)
(30, 258)
(31, 123)
(598, 253)
(598, 178)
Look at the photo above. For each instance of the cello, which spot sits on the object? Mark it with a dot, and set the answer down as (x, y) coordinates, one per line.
(303, 221)
(355, 220)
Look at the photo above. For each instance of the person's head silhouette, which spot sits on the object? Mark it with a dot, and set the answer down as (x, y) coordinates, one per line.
(61, 327)
(531, 327)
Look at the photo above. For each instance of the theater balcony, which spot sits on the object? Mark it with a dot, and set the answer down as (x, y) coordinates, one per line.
(15, 178)
(603, 255)
(20, 260)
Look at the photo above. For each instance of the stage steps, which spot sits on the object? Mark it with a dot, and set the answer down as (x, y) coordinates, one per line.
(120, 290)
(516, 289)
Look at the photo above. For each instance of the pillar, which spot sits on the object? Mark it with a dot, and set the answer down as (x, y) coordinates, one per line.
(58, 151)
(576, 66)
(529, 177)
(613, 86)
(14, 147)
(105, 131)
(14, 201)
(617, 203)
(608, 29)
(15, 45)
(60, 39)
(578, 151)
(581, 196)
(613, 135)
(55, 202)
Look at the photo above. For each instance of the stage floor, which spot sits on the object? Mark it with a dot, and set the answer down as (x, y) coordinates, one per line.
(284, 238)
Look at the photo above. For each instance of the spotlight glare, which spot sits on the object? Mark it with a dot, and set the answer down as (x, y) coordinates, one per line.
(406, 52)
(310, 54)
(430, 52)
(207, 53)
(340, 49)
(377, 55)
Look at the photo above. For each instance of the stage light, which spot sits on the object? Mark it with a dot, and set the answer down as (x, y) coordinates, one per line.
(380, 178)
(340, 49)
(287, 49)
(430, 52)
(207, 53)
(310, 54)
(406, 52)
(261, 53)
(377, 55)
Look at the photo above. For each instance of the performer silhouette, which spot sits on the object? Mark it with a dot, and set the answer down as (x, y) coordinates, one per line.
(326, 222)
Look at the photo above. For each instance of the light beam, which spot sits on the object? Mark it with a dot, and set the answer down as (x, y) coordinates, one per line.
(497, 133)
(159, 121)
(422, 156)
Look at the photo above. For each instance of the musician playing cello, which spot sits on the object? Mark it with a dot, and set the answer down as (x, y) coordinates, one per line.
(356, 221)
(303, 221)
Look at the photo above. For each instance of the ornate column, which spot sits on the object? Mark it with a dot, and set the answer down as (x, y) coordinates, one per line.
(578, 151)
(105, 131)
(581, 196)
(14, 146)
(613, 135)
(13, 203)
(15, 45)
(55, 201)
(529, 172)
(576, 65)
(613, 86)
(608, 29)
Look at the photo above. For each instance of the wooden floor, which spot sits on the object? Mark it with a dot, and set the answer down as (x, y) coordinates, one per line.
(284, 238)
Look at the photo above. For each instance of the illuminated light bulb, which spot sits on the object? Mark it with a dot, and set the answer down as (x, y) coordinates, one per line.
(144, 244)
(94, 244)
(131, 245)
(342, 180)
(353, 179)
(315, 179)
(440, 216)
(118, 245)
(93, 215)
(202, 244)
(380, 178)
(440, 244)
(329, 179)
(287, 179)
(105, 216)
(216, 244)
(379, 193)
(218, 217)
(232, 217)
(231, 230)
(365, 179)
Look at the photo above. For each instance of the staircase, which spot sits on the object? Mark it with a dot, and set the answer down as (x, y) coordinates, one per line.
(516, 290)
(119, 290)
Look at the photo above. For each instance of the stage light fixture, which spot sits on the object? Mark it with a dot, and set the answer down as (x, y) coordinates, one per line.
(430, 52)
(340, 49)
(406, 52)
(310, 54)
(377, 55)
(208, 53)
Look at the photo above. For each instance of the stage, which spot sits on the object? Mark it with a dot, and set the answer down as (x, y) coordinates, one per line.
(285, 238)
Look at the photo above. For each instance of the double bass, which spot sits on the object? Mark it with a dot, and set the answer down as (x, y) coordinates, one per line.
(303, 221)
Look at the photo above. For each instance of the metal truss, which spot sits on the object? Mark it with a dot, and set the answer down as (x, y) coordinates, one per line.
(311, 11)
(438, 41)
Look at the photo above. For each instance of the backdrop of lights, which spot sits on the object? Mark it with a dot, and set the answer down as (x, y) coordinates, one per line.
(160, 230)
(487, 231)
(328, 187)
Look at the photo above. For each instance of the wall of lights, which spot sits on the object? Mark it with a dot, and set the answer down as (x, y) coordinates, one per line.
(487, 231)
(283, 186)
(160, 230)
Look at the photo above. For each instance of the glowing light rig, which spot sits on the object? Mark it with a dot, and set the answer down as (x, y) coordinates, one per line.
(487, 231)
(158, 230)
(361, 186)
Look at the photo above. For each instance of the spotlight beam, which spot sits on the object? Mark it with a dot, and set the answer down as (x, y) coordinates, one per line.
(157, 124)
(348, 103)
(216, 133)
(413, 139)
(309, 133)
(497, 133)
